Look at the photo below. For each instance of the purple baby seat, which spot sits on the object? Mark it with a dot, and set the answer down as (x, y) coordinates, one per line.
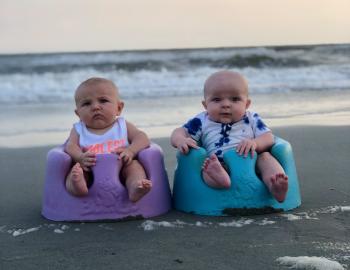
(107, 197)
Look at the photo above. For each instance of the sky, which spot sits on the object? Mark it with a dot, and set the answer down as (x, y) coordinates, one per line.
(35, 26)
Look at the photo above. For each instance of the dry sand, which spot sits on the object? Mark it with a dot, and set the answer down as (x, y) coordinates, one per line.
(320, 227)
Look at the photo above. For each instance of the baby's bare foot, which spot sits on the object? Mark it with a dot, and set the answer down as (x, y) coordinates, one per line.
(214, 174)
(279, 186)
(139, 189)
(75, 182)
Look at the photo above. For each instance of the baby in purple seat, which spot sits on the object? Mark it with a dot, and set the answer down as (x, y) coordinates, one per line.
(102, 129)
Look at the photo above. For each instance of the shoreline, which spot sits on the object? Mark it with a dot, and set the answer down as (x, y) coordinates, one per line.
(43, 124)
(38, 139)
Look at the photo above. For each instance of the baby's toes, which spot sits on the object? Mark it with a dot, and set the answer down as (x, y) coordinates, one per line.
(146, 183)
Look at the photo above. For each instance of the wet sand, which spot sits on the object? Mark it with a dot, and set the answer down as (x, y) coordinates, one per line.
(320, 227)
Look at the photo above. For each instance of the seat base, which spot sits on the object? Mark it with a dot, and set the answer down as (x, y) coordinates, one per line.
(247, 194)
(107, 198)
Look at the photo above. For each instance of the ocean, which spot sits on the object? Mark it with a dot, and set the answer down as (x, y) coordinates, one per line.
(163, 88)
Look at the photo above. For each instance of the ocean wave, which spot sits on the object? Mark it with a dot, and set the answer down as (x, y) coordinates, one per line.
(175, 59)
(259, 61)
(52, 78)
(59, 87)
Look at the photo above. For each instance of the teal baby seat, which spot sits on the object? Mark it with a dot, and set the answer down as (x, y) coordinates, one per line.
(247, 194)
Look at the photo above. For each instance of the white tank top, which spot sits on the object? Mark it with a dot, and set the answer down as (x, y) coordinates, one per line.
(115, 137)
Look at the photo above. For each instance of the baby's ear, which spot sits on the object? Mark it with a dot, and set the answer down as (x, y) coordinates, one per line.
(204, 104)
(249, 101)
(120, 106)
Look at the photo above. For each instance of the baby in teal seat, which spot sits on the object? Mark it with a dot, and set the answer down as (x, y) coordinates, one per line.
(227, 124)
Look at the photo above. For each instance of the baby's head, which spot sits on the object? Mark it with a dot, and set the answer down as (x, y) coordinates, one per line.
(98, 103)
(226, 96)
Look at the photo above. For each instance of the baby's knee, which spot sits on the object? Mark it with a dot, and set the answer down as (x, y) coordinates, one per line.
(133, 167)
(264, 156)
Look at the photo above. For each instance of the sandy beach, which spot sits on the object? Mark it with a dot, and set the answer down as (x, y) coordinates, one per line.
(320, 227)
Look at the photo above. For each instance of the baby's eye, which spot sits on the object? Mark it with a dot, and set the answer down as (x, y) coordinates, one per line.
(235, 99)
(86, 103)
(215, 99)
(104, 100)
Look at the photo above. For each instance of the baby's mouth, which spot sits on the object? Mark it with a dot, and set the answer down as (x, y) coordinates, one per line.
(98, 116)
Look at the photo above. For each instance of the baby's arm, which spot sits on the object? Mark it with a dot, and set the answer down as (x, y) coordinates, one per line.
(138, 141)
(259, 144)
(72, 148)
(181, 140)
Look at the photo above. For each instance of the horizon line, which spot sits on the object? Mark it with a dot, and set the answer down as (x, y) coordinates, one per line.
(301, 45)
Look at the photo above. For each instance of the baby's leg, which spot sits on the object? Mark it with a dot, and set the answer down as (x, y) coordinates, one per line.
(75, 182)
(214, 174)
(135, 180)
(273, 175)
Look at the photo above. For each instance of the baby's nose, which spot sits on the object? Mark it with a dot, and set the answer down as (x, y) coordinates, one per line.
(95, 106)
(225, 103)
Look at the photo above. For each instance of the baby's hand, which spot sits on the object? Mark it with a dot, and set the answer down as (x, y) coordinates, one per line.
(185, 145)
(246, 146)
(86, 160)
(125, 154)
